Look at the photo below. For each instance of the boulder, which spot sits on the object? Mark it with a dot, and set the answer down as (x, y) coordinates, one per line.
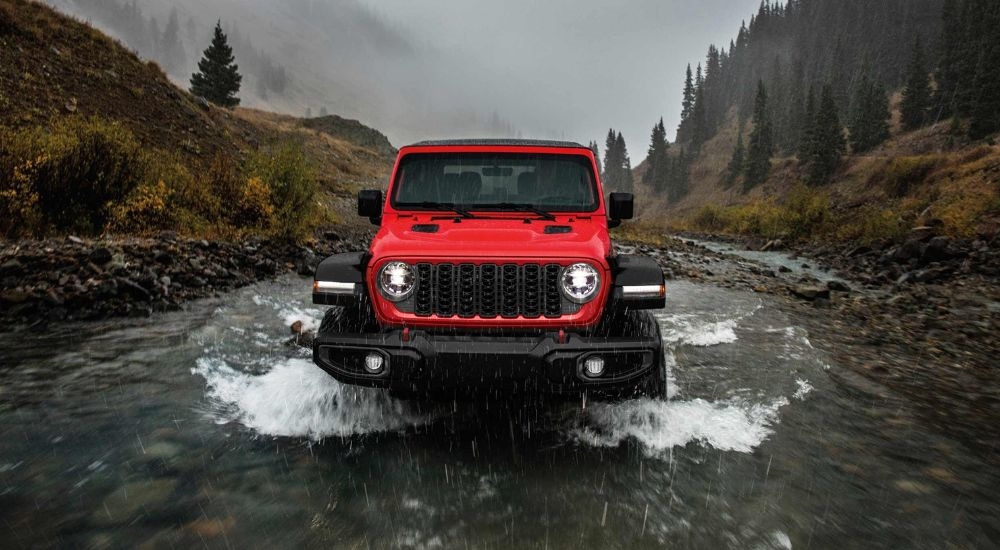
(811, 292)
(101, 256)
(838, 286)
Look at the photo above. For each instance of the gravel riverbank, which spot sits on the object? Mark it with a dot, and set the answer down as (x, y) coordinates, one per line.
(74, 279)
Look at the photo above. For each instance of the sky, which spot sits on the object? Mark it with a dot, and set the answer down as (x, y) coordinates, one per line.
(427, 69)
(571, 68)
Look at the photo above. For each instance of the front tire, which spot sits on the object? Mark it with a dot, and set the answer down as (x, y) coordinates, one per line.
(633, 323)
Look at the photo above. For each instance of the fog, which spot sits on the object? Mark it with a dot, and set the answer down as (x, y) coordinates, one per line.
(439, 68)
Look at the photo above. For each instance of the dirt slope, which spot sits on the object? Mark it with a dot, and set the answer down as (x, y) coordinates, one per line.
(52, 66)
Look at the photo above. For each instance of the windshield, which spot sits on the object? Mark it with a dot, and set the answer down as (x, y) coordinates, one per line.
(495, 181)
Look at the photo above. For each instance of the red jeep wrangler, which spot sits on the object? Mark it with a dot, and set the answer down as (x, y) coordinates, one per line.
(493, 271)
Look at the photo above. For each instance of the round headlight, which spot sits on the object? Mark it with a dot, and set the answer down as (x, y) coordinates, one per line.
(580, 282)
(395, 280)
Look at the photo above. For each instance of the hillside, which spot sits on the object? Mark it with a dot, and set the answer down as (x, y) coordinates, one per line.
(837, 160)
(54, 68)
(913, 179)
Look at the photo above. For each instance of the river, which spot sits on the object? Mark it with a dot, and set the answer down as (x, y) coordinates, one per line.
(203, 427)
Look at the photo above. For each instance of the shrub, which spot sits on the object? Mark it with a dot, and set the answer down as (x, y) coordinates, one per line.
(147, 210)
(78, 169)
(293, 185)
(252, 209)
(903, 173)
(806, 211)
(18, 197)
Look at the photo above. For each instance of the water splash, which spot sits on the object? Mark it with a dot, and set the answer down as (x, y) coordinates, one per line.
(662, 425)
(296, 399)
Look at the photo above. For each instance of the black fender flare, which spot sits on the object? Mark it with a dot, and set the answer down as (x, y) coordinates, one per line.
(340, 279)
(638, 283)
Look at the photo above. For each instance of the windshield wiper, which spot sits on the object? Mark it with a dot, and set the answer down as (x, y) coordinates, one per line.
(447, 206)
(523, 207)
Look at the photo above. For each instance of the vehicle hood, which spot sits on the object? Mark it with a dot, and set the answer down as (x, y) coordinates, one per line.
(570, 237)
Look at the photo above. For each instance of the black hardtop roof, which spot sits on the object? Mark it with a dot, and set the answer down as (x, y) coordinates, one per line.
(500, 142)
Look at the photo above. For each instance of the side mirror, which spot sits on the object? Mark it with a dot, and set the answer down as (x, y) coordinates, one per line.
(620, 207)
(370, 205)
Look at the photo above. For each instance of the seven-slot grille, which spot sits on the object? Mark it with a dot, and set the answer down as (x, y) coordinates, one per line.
(488, 291)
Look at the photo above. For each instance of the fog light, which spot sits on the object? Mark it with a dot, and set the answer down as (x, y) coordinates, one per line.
(374, 363)
(593, 367)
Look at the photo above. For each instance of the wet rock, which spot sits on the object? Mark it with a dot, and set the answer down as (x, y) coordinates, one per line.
(14, 296)
(11, 267)
(922, 234)
(134, 498)
(133, 289)
(838, 286)
(784, 269)
(210, 528)
(938, 249)
(811, 292)
(775, 244)
(101, 256)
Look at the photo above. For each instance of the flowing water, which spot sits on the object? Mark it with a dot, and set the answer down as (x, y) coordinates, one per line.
(203, 428)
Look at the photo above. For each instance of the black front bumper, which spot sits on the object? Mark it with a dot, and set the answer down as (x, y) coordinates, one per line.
(424, 361)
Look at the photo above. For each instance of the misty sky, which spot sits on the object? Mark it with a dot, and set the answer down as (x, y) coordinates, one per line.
(424, 69)
(571, 68)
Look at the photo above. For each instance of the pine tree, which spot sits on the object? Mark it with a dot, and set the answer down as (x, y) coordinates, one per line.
(917, 92)
(828, 143)
(735, 167)
(758, 162)
(656, 157)
(869, 125)
(688, 102)
(625, 166)
(218, 78)
(610, 175)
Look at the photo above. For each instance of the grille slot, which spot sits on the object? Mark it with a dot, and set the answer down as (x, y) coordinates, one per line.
(488, 291)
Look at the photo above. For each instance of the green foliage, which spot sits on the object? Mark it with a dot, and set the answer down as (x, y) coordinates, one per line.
(869, 125)
(657, 162)
(218, 78)
(804, 213)
(74, 170)
(293, 188)
(826, 144)
(88, 176)
(758, 161)
(617, 166)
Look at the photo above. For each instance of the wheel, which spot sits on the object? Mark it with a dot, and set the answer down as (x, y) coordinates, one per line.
(632, 323)
(655, 385)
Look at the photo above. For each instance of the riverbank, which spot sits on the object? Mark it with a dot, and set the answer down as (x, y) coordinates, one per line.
(76, 279)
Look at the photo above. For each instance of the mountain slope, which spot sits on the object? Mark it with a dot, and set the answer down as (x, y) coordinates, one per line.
(52, 66)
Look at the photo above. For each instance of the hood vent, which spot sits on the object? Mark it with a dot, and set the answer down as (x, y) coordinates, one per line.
(557, 229)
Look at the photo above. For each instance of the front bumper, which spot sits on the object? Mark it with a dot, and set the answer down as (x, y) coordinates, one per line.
(550, 362)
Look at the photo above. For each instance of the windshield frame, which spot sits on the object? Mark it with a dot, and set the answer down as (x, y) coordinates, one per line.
(580, 156)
